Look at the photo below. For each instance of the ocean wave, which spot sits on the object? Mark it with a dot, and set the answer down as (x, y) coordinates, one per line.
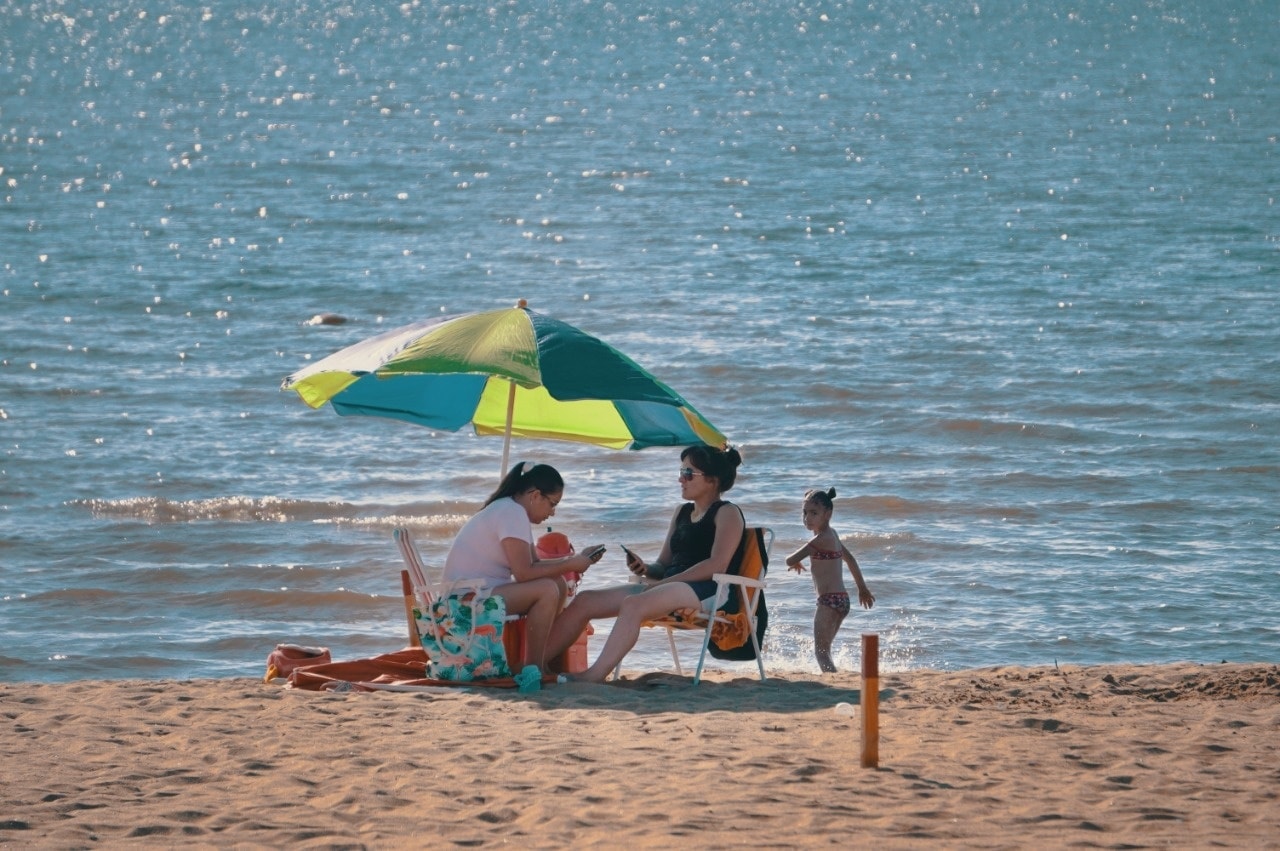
(1254, 470)
(432, 525)
(1000, 428)
(447, 517)
(896, 507)
(350, 603)
(154, 509)
(81, 598)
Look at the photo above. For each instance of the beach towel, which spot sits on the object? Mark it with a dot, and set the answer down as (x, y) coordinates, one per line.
(404, 670)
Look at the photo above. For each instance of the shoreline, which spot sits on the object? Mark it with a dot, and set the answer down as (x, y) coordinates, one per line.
(1183, 755)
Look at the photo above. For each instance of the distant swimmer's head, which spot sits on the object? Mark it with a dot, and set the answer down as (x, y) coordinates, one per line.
(326, 319)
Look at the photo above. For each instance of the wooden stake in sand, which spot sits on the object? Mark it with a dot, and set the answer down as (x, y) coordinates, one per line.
(870, 700)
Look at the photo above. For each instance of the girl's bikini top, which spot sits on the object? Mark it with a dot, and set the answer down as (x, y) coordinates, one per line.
(824, 555)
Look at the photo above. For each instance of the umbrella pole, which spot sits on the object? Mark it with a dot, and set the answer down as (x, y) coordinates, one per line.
(506, 437)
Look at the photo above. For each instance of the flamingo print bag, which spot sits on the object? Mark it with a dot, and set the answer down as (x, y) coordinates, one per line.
(462, 635)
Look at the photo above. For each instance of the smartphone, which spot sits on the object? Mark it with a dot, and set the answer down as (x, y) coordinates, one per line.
(595, 553)
(631, 557)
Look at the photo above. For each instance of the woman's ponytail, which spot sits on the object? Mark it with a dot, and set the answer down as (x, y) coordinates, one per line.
(526, 475)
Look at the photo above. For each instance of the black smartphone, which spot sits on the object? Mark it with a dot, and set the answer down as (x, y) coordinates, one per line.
(595, 553)
(631, 557)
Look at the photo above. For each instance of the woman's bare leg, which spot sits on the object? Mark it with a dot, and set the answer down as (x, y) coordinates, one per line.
(634, 610)
(586, 607)
(538, 600)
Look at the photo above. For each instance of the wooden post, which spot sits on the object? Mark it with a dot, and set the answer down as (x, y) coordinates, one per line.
(870, 700)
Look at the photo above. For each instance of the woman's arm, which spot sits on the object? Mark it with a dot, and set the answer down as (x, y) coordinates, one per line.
(654, 570)
(664, 557)
(525, 566)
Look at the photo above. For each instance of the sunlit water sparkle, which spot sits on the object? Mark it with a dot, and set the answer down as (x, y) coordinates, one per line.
(1003, 273)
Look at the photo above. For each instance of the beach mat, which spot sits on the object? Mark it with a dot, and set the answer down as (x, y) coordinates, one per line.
(402, 670)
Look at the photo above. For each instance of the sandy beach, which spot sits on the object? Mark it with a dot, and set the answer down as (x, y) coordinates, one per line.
(1111, 756)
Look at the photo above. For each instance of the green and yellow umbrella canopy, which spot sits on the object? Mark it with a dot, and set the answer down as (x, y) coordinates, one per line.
(509, 372)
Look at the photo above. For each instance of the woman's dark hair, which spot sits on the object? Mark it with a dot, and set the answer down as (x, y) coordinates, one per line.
(823, 498)
(525, 476)
(722, 464)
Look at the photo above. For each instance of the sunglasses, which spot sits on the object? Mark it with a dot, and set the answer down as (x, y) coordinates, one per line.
(687, 474)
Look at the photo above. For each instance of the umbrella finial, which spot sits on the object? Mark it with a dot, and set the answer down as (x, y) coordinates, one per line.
(522, 304)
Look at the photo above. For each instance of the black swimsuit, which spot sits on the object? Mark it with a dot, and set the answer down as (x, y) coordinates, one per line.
(691, 543)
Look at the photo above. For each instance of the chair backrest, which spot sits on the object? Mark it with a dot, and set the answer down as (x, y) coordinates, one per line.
(750, 561)
(412, 578)
(426, 591)
(409, 553)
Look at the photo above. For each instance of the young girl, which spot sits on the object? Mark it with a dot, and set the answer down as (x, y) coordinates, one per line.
(825, 552)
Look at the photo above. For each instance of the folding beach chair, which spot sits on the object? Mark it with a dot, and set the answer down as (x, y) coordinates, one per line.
(421, 596)
(734, 626)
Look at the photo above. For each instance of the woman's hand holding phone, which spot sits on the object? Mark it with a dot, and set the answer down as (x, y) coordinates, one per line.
(634, 563)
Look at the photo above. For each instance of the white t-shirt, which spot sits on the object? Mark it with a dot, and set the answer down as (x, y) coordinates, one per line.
(477, 551)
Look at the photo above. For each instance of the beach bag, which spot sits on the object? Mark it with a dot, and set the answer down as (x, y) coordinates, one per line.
(462, 634)
(287, 658)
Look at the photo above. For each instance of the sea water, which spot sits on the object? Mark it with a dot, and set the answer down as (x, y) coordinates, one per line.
(1003, 273)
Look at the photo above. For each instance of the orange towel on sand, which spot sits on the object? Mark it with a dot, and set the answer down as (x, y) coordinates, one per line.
(406, 667)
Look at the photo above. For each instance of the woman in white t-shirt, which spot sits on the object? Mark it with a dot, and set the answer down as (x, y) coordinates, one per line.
(496, 545)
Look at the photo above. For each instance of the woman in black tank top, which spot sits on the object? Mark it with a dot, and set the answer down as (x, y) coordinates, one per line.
(702, 538)
(691, 542)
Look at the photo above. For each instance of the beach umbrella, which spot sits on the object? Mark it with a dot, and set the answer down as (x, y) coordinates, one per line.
(513, 372)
